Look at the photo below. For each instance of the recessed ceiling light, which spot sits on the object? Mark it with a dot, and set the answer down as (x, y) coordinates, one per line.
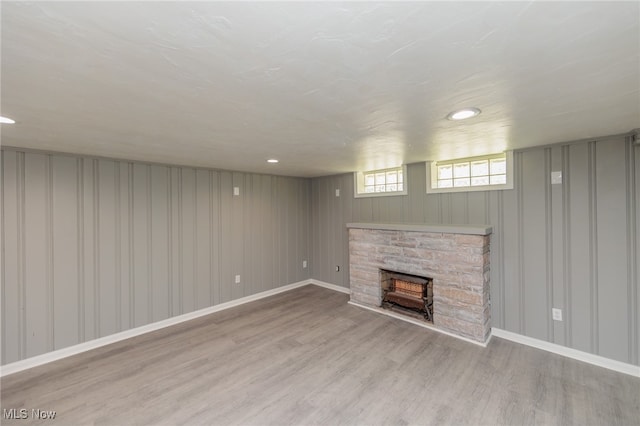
(463, 114)
(272, 160)
(6, 120)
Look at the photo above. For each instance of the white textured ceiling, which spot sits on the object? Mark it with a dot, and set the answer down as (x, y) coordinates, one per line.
(324, 87)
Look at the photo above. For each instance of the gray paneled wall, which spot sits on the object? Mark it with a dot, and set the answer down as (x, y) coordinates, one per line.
(572, 246)
(96, 246)
(92, 247)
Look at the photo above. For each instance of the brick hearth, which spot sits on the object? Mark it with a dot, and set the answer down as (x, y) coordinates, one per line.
(456, 257)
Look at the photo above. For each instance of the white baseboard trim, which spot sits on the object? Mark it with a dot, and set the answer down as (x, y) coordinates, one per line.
(330, 286)
(418, 323)
(600, 361)
(48, 357)
(35, 361)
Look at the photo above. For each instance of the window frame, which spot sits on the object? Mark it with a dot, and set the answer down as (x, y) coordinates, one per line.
(432, 174)
(359, 180)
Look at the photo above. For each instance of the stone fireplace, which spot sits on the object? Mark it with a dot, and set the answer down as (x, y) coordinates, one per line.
(455, 258)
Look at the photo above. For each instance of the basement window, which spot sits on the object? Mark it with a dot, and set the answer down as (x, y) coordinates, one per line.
(484, 173)
(382, 182)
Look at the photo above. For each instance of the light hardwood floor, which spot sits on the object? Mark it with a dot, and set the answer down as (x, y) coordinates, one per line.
(306, 357)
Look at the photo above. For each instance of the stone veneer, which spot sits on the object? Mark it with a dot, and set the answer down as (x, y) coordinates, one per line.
(456, 257)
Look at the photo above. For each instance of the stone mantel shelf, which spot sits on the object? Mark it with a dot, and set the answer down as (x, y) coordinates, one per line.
(424, 227)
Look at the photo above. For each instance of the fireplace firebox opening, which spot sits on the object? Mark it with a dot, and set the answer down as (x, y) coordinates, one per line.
(407, 293)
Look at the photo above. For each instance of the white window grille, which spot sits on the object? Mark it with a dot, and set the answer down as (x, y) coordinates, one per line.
(382, 182)
(471, 174)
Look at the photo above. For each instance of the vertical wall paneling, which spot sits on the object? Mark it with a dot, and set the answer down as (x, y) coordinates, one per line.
(160, 233)
(124, 212)
(170, 244)
(495, 217)
(80, 207)
(566, 248)
(91, 247)
(432, 213)
(203, 280)
(294, 229)
(175, 177)
(150, 249)
(274, 225)
(377, 210)
(188, 249)
(459, 210)
(13, 329)
(65, 252)
(327, 231)
(118, 248)
(294, 250)
(579, 265)
(444, 203)
(338, 233)
(106, 252)
(555, 245)
(289, 231)
(535, 271)
(131, 245)
(95, 238)
(282, 231)
(632, 266)
(520, 236)
(306, 244)
(141, 237)
(416, 207)
(249, 265)
(549, 249)
(321, 222)
(593, 248)
(512, 211)
(316, 268)
(48, 240)
(237, 244)
(347, 188)
(268, 266)
(364, 209)
(36, 254)
(636, 260)
(612, 248)
(218, 288)
(230, 266)
(256, 233)
(475, 206)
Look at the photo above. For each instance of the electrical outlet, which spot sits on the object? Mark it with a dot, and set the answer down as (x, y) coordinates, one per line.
(237, 279)
(556, 313)
(304, 263)
(337, 268)
(236, 190)
(337, 192)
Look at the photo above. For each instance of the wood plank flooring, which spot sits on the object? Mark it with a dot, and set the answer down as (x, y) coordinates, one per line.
(306, 357)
